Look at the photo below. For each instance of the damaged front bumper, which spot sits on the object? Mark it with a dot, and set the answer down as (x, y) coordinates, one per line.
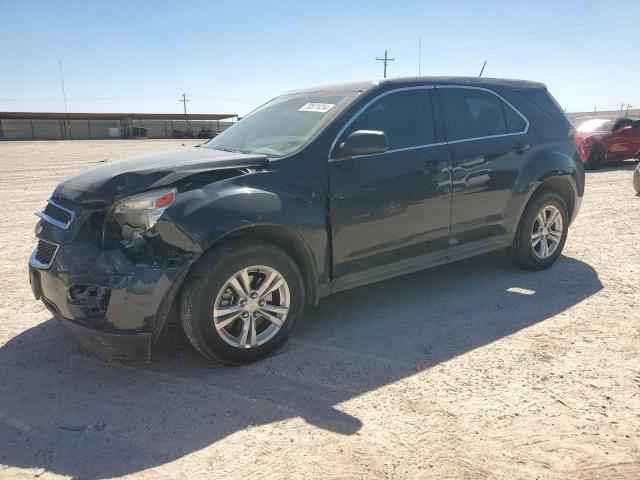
(114, 307)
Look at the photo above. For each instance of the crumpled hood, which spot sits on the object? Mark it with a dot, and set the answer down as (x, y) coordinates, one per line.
(102, 185)
(582, 136)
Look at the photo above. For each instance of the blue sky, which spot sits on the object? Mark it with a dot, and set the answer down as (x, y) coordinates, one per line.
(231, 56)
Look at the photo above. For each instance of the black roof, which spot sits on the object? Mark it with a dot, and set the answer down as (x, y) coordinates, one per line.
(360, 86)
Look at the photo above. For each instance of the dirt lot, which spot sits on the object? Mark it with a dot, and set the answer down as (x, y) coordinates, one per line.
(471, 370)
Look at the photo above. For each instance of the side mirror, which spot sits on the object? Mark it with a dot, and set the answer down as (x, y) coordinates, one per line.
(361, 142)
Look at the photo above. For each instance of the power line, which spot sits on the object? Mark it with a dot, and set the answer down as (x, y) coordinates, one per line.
(560, 30)
(64, 94)
(553, 65)
(184, 102)
(534, 38)
(385, 60)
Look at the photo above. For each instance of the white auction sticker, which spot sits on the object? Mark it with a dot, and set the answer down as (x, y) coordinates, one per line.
(316, 107)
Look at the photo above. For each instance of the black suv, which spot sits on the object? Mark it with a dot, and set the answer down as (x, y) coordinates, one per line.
(317, 191)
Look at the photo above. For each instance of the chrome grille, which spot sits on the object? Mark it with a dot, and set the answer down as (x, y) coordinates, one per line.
(45, 253)
(56, 215)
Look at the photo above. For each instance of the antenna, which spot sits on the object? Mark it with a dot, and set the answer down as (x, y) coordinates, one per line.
(482, 70)
(419, 54)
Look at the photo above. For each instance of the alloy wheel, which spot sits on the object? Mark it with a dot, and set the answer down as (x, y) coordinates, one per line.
(251, 307)
(547, 231)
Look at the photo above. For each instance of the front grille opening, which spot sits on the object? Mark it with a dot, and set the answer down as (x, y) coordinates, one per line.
(45, 252)
(58, 213)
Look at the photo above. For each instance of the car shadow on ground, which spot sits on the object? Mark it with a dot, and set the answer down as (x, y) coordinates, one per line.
(72, 414)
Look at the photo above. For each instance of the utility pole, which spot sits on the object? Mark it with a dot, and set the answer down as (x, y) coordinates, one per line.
(628, 106)
(184, 102)
(419, 55)
(621, 106)
(385, 60)
(64, 97)
(482, 69)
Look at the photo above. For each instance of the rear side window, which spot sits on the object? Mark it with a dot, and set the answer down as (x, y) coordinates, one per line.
(406, 117)
(471, 113)
(540, 99)
(545, 114)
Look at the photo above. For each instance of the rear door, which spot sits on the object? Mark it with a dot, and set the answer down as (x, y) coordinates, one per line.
(394, 206)
(490, 142)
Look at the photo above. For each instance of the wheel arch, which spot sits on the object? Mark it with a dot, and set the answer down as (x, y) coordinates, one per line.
(285, 239)
(552, 170)
(559, 186)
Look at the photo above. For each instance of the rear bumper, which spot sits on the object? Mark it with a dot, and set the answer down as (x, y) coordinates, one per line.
(114, 308)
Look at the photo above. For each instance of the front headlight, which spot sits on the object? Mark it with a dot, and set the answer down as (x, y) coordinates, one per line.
(139, 213)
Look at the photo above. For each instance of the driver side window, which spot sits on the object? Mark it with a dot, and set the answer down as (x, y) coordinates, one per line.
(406, 117)
(620, 124)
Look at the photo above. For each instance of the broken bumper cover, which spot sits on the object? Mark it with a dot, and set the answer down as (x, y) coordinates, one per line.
(111, 345)
(113, 307)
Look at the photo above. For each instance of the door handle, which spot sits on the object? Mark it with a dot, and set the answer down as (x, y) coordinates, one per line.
(520, 147)
(433, 165)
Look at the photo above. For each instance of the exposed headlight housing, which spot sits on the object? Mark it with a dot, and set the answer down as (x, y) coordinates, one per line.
(139, 213)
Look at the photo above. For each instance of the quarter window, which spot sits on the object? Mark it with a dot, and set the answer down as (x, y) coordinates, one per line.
(471, 113)
(405, 117)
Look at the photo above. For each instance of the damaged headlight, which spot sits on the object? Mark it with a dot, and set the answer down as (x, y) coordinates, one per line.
(139, 213)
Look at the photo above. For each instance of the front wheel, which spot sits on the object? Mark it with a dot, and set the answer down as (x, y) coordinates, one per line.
(542, 232)
(241, 301)
(596, 157)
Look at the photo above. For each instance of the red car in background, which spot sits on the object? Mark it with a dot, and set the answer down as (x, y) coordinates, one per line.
(603, 138)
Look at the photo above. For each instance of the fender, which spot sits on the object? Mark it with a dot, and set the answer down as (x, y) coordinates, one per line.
(202, 217)
(548, 165)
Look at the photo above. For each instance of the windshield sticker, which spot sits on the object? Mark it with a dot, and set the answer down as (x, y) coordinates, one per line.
(316, 107)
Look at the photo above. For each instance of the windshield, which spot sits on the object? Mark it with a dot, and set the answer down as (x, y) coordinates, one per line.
(594, 125)
(283, 125)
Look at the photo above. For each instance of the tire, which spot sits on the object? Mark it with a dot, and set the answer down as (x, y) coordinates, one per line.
(522, 250)
(596, 157)
(207, 287)
(636, 179)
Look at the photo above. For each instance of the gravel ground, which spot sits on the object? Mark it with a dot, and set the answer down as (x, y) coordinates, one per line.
(471, 370)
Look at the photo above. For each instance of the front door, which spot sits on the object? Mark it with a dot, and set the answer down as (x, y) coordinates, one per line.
(391, 207)
(624, 142)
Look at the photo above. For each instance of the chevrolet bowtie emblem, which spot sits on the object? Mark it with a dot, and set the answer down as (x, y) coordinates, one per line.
(38, 228)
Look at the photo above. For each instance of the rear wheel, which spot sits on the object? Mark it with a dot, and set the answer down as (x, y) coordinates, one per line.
(542, 232)
(241, 302)
(596, 157)
(636, 179)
